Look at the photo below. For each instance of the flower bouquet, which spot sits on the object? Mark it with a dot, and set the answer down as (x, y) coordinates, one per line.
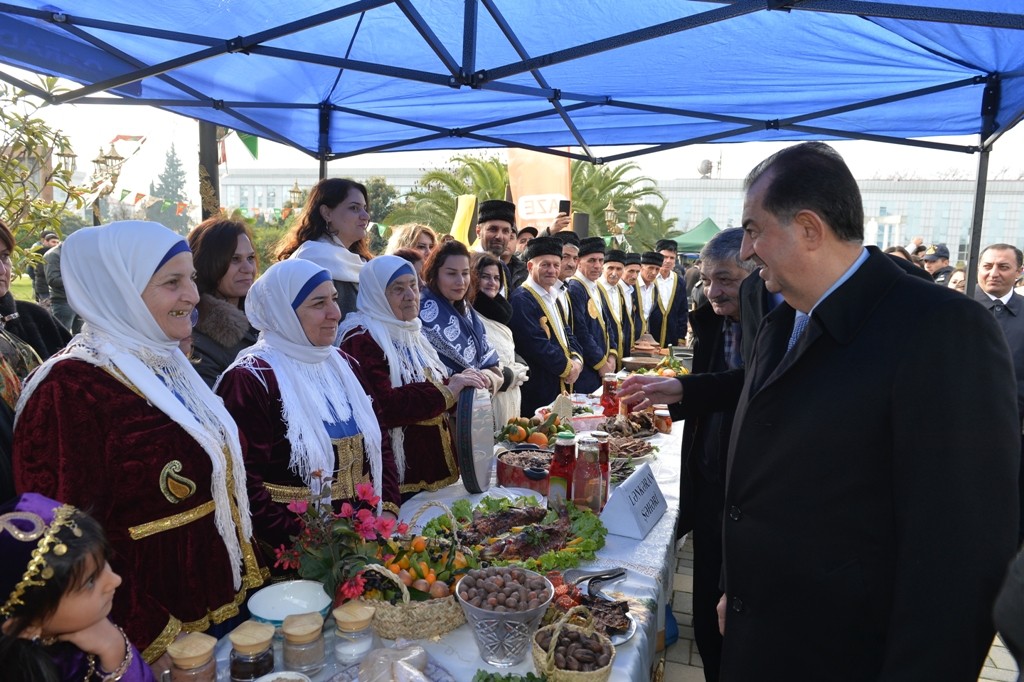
(353, 553)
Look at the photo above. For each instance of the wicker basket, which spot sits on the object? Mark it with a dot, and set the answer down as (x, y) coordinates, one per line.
(544, 661)
(415, 619)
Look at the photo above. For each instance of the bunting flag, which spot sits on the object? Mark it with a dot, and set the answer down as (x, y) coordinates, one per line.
(464, 224)
(139, 196)
(124, 193)
(129, 138)
(538, 182)
(251, 143)
(149, 201)
(285, 212)
(182, 206)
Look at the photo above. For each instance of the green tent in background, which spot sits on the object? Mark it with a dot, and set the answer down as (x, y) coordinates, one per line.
(695, 239)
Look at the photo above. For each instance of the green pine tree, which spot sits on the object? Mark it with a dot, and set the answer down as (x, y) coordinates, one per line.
(170, 187)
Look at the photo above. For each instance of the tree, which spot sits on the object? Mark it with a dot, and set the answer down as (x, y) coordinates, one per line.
(170, 189)
(30, 169)
(381, 197)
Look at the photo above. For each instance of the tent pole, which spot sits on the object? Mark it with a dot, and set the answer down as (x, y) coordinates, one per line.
(209, 180)
(974, 248)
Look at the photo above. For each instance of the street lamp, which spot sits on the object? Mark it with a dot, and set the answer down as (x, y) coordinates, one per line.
(106, 170)
(295, 195)
(67, 159)
(611, 219)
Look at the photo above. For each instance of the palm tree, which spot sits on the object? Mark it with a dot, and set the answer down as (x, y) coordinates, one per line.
(434, 202)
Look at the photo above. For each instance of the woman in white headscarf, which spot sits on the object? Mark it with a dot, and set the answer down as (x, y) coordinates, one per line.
(121, 424)
(299, 407)
(404, 375)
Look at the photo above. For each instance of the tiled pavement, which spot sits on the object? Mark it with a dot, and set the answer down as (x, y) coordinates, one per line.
(682, 662)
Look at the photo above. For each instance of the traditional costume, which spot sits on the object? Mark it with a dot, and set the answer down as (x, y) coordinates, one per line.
(458, 338)
(618, 310)
(329, 253)
(122, 424)
(672, 304)
(647, 297)
(403, 374)
(34, 528)
(594, 328)
(542, 338)
(302, 411)
(499, 209)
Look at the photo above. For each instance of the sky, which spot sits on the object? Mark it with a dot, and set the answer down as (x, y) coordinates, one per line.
(91, 127)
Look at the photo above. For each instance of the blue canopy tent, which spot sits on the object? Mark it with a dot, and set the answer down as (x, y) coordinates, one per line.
(338, 79)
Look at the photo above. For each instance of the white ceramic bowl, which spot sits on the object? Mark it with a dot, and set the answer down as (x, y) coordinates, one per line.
(284, 676)
(278, 601)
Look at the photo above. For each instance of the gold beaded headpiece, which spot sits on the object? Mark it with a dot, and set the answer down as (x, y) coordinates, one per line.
(23, 526)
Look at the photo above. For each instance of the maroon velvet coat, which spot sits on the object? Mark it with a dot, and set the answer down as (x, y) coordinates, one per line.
(257, 411)
(420, 407)
(87, 439)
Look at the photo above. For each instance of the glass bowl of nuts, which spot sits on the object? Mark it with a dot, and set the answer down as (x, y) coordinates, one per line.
(504, 606)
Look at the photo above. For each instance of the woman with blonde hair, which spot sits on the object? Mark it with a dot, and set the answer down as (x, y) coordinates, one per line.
(412, 236)
(331, 232)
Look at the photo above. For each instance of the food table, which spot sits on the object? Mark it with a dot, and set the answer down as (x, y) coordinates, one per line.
(649, 564)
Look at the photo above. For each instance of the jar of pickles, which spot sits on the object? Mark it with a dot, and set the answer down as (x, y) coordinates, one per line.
(587, 484)
(609, 395)
(663, 421)
(562, 464)
(604, 451)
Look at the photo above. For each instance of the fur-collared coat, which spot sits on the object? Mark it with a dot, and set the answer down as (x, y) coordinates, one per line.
(222, 331)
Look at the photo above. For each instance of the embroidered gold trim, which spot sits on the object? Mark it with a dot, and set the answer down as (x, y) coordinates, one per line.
(159, 645)
(449, 460)
(168, 522)
(37, 572)
(391, 507)
(254, 575)
(433, 421)
(350, 457)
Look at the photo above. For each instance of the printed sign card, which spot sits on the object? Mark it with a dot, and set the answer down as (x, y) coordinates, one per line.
(635, 506)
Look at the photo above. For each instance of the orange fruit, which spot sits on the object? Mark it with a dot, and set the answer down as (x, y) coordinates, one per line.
(538, 439)
(517, 434)
(431, 577)
(668, 372)
(419, 544)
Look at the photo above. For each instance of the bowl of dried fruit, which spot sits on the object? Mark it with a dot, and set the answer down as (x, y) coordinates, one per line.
(504, 606)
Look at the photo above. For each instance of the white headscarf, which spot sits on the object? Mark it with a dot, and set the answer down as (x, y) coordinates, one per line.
(330, 254)
(105, 270)
(316, 383)
(407, 351)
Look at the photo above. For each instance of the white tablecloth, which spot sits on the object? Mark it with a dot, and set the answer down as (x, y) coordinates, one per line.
(649, 564)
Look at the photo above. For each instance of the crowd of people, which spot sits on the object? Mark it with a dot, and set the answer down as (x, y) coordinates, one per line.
(157, 450)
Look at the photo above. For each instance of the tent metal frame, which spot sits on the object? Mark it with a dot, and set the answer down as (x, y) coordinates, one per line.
(554, 102)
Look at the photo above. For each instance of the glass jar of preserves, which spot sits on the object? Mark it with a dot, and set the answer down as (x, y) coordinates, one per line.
(609, 395)
(604, 451)
(562, 464)
(192, 658)
(663, 421)
(587, 485)
(303, 649)
(354, 637)
(251, 653)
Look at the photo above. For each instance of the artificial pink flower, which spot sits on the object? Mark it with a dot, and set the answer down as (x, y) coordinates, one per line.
(366, 529)
(346, 511)
(365, 516)
(364, 491)
(384, 526)
(403, 528)
(298, 506)
(286, 558)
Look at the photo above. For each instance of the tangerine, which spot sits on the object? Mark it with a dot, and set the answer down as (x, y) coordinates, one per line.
(538, 439)
(419, 544)
(517, 434)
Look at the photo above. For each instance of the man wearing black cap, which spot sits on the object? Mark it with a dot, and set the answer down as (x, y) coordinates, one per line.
(936, 262)
(570, 259)
(647, 292)
(524, 235)
(614, 265)
(631, 293)
(594, 328)
(671, 298)
(495, 228)
(541, 336)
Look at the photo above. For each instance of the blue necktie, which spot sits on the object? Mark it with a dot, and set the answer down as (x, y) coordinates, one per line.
(799, 325)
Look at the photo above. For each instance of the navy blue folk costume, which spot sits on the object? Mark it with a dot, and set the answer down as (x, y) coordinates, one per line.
(672, 306)
(594, 328)
(542, 338)
(618, 313)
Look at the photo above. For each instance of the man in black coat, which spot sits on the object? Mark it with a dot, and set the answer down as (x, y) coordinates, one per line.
(998, 269)
(842, 509)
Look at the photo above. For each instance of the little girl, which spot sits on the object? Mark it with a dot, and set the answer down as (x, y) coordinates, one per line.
(56, 589)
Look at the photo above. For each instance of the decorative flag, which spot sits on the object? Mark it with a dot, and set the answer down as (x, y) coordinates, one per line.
(464, 224)
(150, 201)
(251, 143)
(285, 212)
(124, 193)
(139, 196)
(538, 182)
(129, 138)
(166, 205)
(181, 207)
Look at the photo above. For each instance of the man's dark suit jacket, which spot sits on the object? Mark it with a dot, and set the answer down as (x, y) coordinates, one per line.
(868, 518)
(1011, 320)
